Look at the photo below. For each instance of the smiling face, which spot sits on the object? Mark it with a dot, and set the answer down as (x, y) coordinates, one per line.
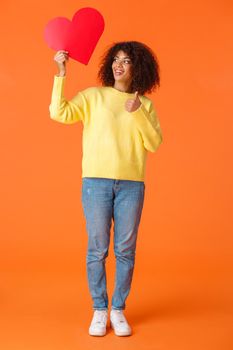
(122, 68)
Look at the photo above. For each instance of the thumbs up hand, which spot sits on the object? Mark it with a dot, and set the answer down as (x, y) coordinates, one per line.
(132, 104)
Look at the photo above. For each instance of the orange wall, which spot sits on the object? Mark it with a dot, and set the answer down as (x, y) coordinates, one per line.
(185, 236)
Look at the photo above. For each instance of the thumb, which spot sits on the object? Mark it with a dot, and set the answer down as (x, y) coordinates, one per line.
(136, 95)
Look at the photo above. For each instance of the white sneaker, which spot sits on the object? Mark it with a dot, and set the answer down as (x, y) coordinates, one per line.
(99, 323)
(119, 323)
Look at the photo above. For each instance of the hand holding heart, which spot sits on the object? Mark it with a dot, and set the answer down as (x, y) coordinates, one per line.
(61, 57)
(132, 104)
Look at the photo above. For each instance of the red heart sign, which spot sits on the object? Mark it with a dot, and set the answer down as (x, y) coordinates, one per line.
(79, 37)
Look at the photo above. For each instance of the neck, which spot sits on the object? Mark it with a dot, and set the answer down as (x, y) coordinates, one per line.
(121, 86)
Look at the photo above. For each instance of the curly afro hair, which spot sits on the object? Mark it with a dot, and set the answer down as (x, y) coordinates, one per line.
(145, 66)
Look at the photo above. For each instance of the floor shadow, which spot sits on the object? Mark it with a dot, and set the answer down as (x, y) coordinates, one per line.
(177, 307)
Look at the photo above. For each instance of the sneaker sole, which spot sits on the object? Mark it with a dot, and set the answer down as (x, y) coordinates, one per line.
(97, 334)
(120, 334)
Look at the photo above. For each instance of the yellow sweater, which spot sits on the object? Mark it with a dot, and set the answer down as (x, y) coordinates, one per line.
(115, 142)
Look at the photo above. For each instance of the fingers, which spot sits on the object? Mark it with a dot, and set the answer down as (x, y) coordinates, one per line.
(61, 56)
(62, 51)
(133, 104)
(129, 105)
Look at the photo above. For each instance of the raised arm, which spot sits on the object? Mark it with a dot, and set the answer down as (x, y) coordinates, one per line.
(61, 110)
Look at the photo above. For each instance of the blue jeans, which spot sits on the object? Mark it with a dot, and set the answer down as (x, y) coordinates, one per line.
(105, 199)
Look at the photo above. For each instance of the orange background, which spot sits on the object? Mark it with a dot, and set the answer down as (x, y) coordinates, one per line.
(181, 296)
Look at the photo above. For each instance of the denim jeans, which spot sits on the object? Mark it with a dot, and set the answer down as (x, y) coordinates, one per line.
(105, 199)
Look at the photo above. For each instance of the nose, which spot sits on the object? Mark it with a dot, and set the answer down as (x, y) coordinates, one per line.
(119, 64)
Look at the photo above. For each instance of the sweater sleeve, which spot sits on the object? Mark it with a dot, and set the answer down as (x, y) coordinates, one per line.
(63, 111)
(149, 126)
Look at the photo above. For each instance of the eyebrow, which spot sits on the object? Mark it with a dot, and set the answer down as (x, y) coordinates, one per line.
(123, 56)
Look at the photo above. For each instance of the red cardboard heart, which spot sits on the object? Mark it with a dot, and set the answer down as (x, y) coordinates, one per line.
(79, 37)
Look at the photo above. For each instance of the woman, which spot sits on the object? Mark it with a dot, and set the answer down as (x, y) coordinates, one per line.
(120, 126)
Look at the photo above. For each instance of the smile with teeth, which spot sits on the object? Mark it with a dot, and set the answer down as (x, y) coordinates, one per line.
(119, 72)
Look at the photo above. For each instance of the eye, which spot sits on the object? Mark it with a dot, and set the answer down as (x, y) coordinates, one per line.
(127, 61)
